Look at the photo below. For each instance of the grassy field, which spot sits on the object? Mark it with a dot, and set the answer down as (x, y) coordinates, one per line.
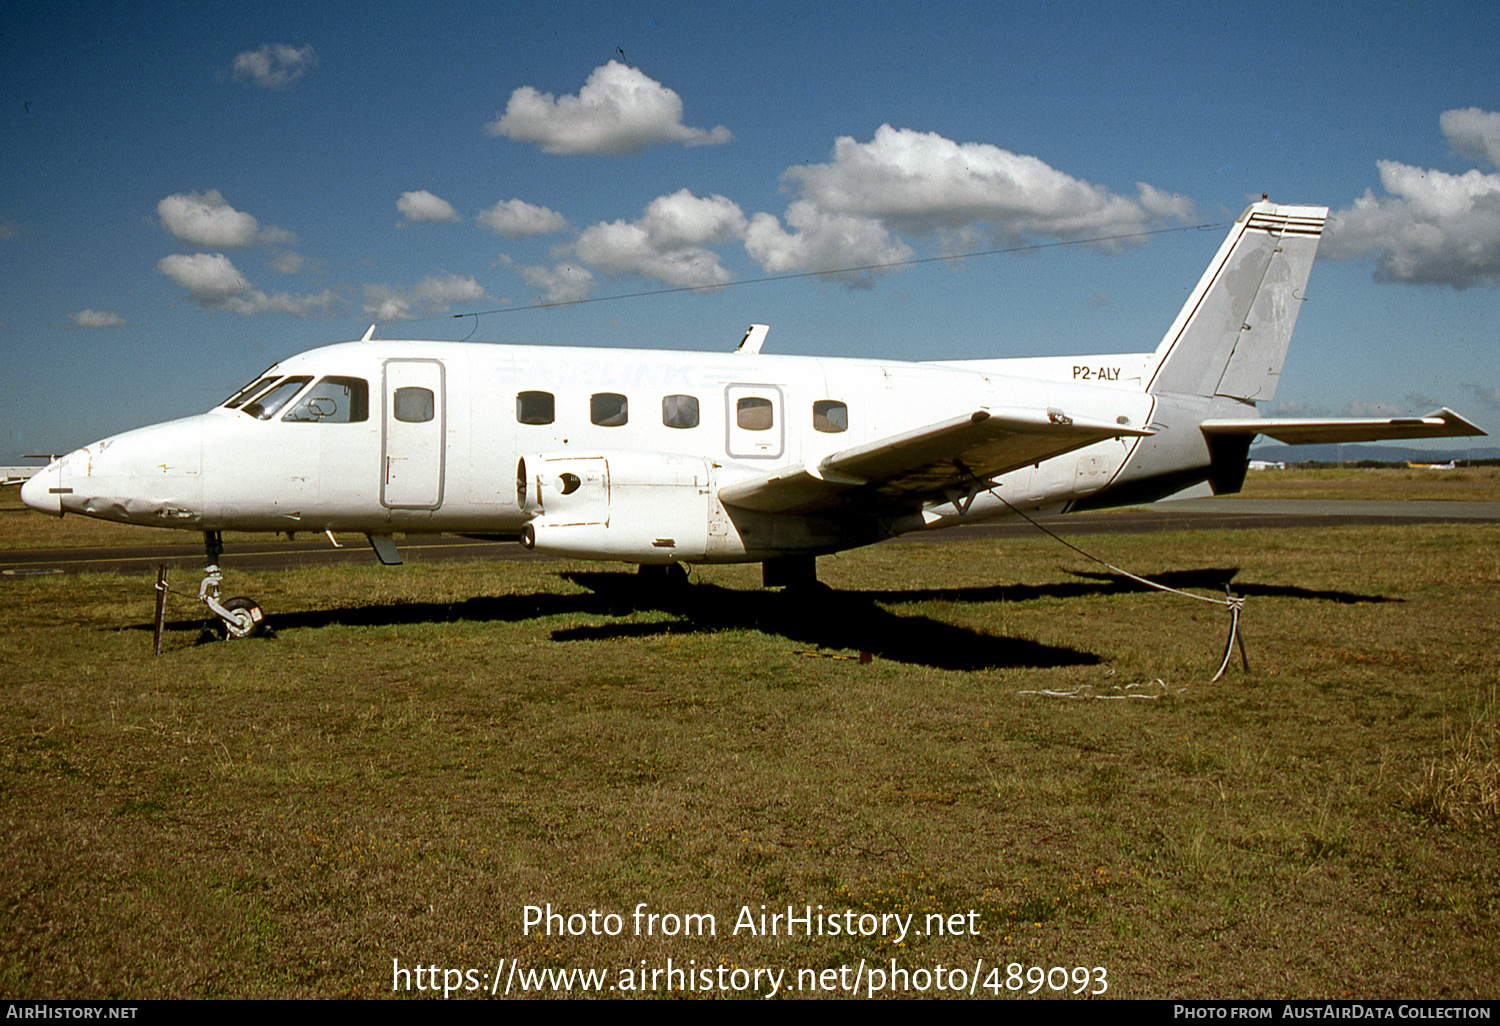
(1475, 484)
(423, 752)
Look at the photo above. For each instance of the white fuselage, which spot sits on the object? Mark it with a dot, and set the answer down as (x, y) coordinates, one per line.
(665, 457)
(689, 424)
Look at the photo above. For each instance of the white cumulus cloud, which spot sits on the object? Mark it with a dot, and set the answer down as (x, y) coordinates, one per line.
(206, 219)
(821, 240)
(619, 110)
(275, 65)
(1163, 204)
(921, 182)
(422, 205)
(562, 283)
(517, 219)
(1430, 226)
(96, 319)
(669, 242)
(853, 210)
(1474, 133)
(432, 295)
(211, 280)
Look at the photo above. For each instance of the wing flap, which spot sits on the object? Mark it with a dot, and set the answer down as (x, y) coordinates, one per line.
(902, 472)
(1443, 423)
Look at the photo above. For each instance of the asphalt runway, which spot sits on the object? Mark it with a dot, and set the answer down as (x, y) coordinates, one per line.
(1188, 515)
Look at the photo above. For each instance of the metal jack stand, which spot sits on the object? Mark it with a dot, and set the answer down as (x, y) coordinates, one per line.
(160, 621)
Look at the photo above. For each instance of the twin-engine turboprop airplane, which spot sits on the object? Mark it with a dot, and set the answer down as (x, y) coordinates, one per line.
(660, 458)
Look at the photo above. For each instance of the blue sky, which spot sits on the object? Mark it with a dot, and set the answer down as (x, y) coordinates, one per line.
(191, 191)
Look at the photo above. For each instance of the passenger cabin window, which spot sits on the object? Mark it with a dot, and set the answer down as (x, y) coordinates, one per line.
(333, 401)
(608, 409)
(679, 411)
(535, 408)
(754, 413)
(830, 415)
(264, 406)
(414, 405)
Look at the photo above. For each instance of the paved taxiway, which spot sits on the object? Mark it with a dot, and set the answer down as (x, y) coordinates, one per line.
(1184, 515)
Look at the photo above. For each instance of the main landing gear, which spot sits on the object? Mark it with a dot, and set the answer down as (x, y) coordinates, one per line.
(238, 617)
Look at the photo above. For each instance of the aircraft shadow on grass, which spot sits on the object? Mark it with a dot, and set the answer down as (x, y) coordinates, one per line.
(1094, 582)
(820, 617)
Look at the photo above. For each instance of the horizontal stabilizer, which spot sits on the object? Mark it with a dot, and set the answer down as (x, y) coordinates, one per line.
(1442, 423)
(900, 473)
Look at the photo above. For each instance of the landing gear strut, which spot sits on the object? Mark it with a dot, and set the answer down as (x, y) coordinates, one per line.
(662, 575)
(238, 617)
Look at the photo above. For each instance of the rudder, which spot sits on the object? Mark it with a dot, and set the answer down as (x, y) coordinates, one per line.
(1231, 337)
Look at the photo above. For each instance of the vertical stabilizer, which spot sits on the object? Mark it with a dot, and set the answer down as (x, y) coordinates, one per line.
(1231, 337)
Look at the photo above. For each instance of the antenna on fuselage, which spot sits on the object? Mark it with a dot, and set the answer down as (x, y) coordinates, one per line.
(369, 334)
(755, 337)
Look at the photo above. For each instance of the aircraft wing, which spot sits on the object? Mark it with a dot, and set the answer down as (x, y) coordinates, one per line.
(900, 473)
(16, 475)
(1442, 423)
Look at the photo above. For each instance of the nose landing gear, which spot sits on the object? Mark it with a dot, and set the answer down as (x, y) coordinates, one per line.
(238, 617)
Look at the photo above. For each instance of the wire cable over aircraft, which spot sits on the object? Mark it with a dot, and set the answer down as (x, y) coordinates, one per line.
(664, 458)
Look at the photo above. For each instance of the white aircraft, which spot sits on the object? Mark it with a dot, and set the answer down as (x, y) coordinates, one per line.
(663, 458)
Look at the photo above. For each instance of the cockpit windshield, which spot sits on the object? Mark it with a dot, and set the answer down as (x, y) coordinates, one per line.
(260, 381)
(265, 405)
(333, 400)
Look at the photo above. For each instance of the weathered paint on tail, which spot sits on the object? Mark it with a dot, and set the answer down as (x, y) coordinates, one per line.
(1232, 334)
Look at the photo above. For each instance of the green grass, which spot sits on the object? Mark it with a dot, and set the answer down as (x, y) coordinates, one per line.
(1473, 484)
(423, 751)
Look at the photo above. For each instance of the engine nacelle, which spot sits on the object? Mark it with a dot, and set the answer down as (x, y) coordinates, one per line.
(636, 507)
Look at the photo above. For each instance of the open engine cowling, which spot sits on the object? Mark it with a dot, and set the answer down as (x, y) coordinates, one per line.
(636, 507)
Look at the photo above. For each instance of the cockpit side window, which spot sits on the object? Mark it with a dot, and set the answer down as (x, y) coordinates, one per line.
(334, 400)
(264, 406)
(233, 402)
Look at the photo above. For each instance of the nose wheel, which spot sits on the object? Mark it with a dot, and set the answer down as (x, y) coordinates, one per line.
(238, 617)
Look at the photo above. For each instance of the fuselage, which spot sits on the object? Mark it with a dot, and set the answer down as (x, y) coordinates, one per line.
(665, 457)
(424, 437)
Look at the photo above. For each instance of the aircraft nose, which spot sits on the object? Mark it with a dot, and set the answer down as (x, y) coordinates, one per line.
(148, 476)
(40, 491)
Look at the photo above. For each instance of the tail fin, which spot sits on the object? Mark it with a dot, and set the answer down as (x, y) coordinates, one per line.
(1231, 337)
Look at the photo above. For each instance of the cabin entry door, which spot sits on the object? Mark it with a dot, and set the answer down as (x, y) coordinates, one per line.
(413, 429)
